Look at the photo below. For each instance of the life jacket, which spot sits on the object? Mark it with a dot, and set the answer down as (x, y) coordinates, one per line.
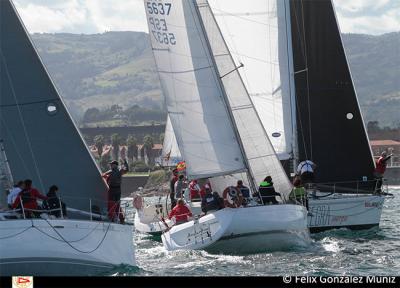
(380, 166)
(297, 192)
(26, 196)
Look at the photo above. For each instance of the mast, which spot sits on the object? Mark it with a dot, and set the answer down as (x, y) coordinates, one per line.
(6, 180)
(292, 89)
(226, 100)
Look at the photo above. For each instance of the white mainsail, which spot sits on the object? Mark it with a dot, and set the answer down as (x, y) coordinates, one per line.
(194, 98)
(170, 154)
(257, 33)
(259, 151)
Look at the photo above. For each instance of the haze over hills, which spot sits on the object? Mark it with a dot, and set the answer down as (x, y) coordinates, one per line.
(100, 70)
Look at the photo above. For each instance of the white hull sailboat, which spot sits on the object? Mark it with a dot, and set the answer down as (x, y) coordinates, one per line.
(218, 133)
(299, 80)
(42, 143)
(242, 230)
(353, 211)
(58, 247)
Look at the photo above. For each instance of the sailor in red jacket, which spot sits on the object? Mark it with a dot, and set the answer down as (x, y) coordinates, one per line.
(28, 196)
(194, 188)
(181, 212)
(380, 169)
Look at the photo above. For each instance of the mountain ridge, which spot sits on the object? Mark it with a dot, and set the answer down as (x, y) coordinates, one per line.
(100, 70)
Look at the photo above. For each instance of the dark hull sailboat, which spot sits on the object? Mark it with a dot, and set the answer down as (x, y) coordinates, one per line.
(299, 78)
(330, 128)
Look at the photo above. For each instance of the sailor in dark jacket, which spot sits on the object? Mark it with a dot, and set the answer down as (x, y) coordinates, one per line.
(211, 201)
(267, 191)
(52, 204)
(114, 179)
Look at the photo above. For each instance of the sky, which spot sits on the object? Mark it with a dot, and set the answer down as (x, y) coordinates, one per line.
(97, 16)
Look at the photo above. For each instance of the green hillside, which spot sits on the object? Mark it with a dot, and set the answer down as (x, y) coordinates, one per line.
(101, 70)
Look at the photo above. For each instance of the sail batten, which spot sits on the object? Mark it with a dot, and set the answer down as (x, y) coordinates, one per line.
(194, 99)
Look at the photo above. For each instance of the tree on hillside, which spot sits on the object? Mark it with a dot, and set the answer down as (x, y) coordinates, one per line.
(131, 142)
(373, 126)
(99, 143)
(115, 142)
(162, 136)
(91, 115)
(148, 144)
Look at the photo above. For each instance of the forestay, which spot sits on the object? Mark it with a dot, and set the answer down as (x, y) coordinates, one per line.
(195, 103)
(256, 32)
(258, 149)
(40, 139)
(170, 153)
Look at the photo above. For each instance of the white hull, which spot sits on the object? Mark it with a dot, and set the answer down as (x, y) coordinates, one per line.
(148, 221)
(244, 230)
(150, 224)
(63, 247)
(344, 211)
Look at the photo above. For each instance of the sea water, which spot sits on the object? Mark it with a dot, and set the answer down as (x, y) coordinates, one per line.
(336, 252)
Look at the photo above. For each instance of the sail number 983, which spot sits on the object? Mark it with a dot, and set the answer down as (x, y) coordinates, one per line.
(158, 8)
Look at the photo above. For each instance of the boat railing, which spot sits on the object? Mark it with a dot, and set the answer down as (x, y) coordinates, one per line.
(93, 213)
(358, 187)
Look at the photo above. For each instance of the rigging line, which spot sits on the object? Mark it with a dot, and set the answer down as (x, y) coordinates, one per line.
(184, 71)
(307, 80)
(71, 241)
(16, 234)
(76, 249)
(30, 103)
(233, 70)
(14, 144)
(22, 121)
(225, 13)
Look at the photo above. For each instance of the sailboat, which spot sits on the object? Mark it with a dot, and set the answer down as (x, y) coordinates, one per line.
(218, 133)
(42, 143)
(297, 74)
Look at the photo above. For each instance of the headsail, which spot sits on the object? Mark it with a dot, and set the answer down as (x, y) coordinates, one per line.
(170, 155)
(40, 139)
(195, 102)
(259, 151)
(330, 124)
(256, 33)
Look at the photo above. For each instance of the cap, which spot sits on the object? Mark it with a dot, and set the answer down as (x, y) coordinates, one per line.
(114, 162)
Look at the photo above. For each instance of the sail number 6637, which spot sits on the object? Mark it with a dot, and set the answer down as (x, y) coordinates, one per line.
(158, 8)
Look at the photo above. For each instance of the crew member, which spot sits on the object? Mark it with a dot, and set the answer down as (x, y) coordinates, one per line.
(28, 196)
(298, 194)
(172, 182)
(267, 191)
(244, 190)
(305, 170)
(14, 193)
(211, 201)
(179, 186)
(194, 189)
(181, 212)
(114, 179)
(380, 169)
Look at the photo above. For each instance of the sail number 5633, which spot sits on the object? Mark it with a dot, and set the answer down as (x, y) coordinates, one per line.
(158, 8)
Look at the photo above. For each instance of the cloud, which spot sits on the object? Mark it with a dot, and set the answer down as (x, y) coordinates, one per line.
(368, 16)
(97, 16)
(82, 16)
